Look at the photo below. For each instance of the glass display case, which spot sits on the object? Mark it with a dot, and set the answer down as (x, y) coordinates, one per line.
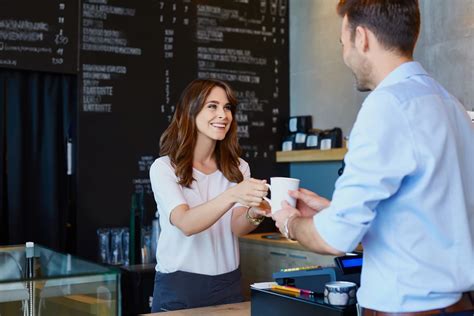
(35, 280)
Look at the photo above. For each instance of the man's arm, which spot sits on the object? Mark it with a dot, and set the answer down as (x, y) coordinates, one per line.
(290, 221)
(302, 229)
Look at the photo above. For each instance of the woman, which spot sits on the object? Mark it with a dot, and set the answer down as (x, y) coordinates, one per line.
(205, 198)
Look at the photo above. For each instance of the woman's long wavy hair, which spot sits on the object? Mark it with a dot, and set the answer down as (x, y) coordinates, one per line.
(179, 139)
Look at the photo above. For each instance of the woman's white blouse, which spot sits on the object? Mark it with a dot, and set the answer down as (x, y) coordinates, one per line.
(211, 252)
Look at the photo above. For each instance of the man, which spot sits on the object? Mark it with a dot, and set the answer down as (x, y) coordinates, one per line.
(407, 191)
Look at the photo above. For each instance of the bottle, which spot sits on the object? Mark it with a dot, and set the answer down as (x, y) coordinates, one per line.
(155, 233)
(33, 264)
(144, 252)
(131, 244)
(135, 228)
(30, 254)
(126, 245)
(32, 272)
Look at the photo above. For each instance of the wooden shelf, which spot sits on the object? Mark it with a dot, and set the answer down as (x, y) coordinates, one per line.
(335, 154)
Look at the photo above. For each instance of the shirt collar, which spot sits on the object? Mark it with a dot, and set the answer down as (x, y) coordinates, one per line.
(403, 71)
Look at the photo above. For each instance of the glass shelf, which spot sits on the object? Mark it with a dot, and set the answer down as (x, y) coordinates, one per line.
(63, 284)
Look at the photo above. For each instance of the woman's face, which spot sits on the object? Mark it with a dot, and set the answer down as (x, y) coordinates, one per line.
(213, 121)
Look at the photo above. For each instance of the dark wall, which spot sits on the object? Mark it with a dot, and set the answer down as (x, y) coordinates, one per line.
(134, 58)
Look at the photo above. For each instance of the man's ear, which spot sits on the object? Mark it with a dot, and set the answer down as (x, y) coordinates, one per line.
(361, 40)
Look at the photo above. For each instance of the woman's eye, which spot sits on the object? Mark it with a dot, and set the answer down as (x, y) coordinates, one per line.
(228, 107)
(211, 106)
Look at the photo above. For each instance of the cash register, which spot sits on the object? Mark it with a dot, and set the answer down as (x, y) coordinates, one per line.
(312, 279)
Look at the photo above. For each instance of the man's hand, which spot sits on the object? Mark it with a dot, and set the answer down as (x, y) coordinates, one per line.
(308, 203)
(282, 215)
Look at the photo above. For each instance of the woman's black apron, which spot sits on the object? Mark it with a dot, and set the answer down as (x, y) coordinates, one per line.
(181, 290)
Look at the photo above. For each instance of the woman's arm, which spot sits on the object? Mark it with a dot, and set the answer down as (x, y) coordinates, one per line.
(194, 220)
(241, 225)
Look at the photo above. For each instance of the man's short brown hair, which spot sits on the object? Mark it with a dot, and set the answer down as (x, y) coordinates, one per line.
(395, 23)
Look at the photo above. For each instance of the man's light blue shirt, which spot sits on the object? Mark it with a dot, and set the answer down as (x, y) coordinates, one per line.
(407, 193)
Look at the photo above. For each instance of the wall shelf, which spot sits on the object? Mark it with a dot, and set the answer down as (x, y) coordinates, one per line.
(335, 154)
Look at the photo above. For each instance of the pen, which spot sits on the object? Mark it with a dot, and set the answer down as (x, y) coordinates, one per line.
(291, 289)
(307, 292)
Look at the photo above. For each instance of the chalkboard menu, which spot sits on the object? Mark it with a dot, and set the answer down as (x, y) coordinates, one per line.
(135, 59)
(39, 35)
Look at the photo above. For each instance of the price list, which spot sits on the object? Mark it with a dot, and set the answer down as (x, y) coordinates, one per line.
(246, 44)
(39, 35)
(136, 57)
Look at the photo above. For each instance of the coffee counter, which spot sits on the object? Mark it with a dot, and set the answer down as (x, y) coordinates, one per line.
(275, 239)
(238, 309)
(271, 239)
(260, 256)
(263, 254)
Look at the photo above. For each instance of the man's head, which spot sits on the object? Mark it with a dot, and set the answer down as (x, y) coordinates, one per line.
(390, 25)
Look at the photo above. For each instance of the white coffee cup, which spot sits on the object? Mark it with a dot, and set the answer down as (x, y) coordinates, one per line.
(279, 187)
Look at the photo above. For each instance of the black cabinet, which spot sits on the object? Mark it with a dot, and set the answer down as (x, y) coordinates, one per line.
(267, 302)
(137, 288)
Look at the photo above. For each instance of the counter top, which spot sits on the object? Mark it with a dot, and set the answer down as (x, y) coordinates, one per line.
(335, 154)
(276, 239)
(237, 309)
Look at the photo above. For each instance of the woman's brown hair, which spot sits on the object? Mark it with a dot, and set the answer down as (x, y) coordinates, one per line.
(179, 139)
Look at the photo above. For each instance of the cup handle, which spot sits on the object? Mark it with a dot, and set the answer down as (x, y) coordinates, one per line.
(265, 198)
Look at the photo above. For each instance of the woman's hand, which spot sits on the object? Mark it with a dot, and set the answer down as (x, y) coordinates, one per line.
(263, 209)
(249, 192)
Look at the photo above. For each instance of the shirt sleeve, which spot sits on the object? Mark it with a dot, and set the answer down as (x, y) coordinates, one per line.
(168, 193)
(381, 154)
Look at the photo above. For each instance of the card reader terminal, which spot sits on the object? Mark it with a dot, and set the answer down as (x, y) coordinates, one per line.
(347, 268)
